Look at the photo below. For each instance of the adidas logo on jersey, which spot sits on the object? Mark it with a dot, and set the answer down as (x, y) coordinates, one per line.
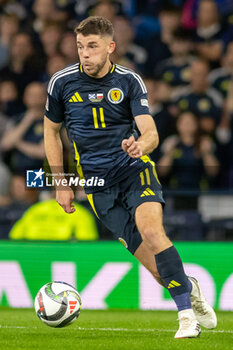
(173, 284)
(76, 98)
(147, 192)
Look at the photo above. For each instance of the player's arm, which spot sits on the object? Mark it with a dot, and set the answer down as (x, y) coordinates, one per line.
(148, 140)
(54, 154)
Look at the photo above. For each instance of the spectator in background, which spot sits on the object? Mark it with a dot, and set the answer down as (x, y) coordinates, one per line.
(159, 100)
(45, 11)
(5, 177)
(9, 26)
(19, 194)
(190, 7)
(188, 159)
(14, 199)
(10, 104)
(229, 111)
(228, 36)
(105, 9)
(127, 53)
(24, 65)
(25, 138)
(189, 20)
(50, 37)
(219, 78)
(157, 45)
(209, 33)
(44, 221)
(13, 7)
(54, 64)
(176, 70)
(5, 124)
(199, 98)
(68, 48)
(225, 141)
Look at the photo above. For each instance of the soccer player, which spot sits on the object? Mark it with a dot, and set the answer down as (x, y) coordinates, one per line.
(99, 102)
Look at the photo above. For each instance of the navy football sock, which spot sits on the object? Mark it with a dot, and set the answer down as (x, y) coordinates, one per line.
(182, 301)
(171, 271)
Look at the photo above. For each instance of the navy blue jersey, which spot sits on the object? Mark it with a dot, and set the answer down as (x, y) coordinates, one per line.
(98, 115)
(205, 105)
(34, 134)
(174, 74)
(187, 169)
(222, 84)
(219, 79)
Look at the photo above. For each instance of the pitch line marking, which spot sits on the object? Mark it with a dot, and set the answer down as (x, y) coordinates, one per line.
(122, 329)
(146, 330)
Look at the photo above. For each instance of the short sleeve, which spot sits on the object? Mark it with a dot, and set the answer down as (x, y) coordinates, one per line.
(54, 108)
(138, 96)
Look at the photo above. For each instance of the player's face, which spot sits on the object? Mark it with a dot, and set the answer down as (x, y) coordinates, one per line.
(94, 51)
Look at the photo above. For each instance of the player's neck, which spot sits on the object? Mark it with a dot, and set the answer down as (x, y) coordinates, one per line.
(104, 71)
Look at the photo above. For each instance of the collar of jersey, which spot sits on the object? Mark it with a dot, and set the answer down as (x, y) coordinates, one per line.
(104, 78)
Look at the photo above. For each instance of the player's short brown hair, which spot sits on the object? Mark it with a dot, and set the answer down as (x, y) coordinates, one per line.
(95, 25)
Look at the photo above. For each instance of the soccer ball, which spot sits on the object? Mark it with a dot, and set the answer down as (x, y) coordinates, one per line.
(57, 304)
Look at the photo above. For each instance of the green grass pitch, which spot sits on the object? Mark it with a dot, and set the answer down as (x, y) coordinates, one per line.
(20, 329)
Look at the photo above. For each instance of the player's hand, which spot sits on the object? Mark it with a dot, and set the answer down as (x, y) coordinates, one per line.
(132, 147)
(65, 199)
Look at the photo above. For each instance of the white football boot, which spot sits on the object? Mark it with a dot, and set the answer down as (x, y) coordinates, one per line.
(188, 325)
(203, 311)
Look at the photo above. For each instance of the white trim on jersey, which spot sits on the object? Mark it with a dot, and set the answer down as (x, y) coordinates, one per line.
(69, 70)
(60, 76)
(216, 96)
(123, 70)
(217, 73)
(180, 91)
(61, 72)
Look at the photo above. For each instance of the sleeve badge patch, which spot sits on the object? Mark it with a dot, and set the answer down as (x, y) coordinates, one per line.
(144, 102)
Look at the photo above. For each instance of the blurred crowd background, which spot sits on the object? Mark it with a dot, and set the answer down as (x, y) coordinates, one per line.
(184, 51)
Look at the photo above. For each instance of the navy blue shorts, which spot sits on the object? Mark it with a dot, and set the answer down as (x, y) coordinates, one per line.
(116, 205)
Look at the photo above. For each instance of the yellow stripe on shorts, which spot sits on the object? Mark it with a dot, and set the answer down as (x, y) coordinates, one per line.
(91, 201)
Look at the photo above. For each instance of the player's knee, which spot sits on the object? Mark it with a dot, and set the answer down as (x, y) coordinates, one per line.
(151, 234)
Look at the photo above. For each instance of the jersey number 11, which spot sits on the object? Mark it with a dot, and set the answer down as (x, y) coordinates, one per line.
(98, 118)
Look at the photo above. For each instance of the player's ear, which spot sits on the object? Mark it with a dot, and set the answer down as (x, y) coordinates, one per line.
(111, 47)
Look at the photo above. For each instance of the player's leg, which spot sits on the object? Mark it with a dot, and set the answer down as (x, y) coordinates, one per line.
(143, 189)
(143, 198)
(202, 310)
(148, 217)
(118, 219)
(145, 256)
